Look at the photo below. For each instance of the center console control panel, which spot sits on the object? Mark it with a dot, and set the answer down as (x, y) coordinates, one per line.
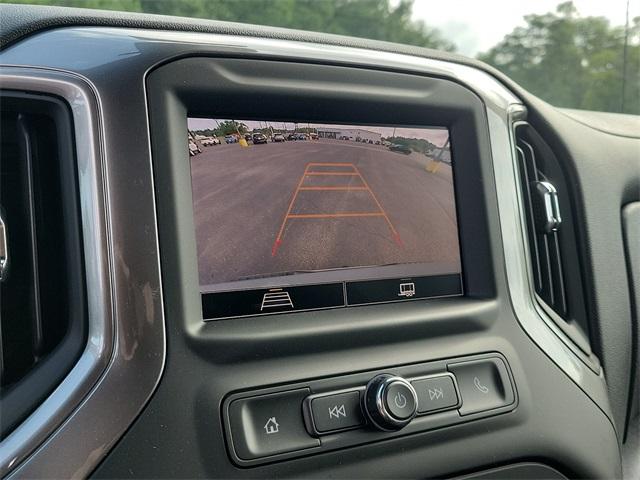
(314, 416)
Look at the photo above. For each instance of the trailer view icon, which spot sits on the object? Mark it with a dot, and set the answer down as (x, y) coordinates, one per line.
(407, 290)
(276, 298)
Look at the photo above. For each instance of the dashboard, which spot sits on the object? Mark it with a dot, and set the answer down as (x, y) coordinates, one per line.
(304, 295)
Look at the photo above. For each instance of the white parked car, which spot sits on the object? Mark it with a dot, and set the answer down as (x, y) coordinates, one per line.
(207, 142)
(193, 148)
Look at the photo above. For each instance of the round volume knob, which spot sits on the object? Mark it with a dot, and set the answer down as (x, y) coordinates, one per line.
(390, 402)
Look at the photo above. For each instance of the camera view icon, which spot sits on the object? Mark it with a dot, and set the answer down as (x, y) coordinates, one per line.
(276, 298)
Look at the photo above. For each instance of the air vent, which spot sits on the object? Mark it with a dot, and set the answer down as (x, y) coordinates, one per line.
(553, 247)
(42, 300)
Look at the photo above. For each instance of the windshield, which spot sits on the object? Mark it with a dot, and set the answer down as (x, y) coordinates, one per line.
(583, 54)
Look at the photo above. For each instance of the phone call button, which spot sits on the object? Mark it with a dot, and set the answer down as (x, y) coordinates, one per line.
(483, 385)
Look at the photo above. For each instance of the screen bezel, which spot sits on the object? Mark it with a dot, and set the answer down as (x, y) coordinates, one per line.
(208, 87)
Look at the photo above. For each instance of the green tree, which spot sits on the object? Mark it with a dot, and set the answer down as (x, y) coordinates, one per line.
(230, 127)
(416, 144)
(121, 5)
(573, 61)
(207, 132)
(376, 19)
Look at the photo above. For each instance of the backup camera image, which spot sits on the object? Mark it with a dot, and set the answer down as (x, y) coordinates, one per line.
(324, 202)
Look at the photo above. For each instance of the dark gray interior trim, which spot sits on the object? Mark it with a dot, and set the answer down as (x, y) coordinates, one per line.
(98, 351)
(631, 228)
(159, 46)
(520, 471)
(499, 103)
(581, 351)
(622, 125)
(598, 202)
(124, 357)
(631, 450)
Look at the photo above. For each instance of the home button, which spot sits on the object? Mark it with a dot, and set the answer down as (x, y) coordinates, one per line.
(269, 425)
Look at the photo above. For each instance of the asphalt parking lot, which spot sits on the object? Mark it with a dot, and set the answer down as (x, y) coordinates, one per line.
(242, 197)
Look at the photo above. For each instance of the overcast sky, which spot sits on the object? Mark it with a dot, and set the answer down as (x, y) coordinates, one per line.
(437, 136)
(477, 25)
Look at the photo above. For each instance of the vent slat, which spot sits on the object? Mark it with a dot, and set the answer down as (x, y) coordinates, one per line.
(547, 290)
(2, 362)
(546, 255)
(18, 303)
(560, 297)
(28, 145)
(531, 165)
(555, 256)
(533, 240)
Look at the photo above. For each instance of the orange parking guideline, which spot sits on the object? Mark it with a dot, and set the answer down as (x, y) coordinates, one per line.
(278, 241)
(364, 187)
(336, 215)
(329, 164)
(396, 236)
(345, 174)
(346, 188)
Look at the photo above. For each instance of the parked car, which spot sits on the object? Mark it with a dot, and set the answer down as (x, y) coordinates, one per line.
(259, 138)
(193, 148)
(313, 136)
(207, 142)
(278, 137)
(396, 147)
(292, 136)
(230, 139)
(301, 136)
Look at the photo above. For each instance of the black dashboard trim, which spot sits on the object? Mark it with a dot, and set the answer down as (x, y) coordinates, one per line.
(201, 86)
(199, 379)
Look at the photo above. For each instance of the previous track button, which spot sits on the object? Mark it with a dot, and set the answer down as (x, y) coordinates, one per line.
(336, 411)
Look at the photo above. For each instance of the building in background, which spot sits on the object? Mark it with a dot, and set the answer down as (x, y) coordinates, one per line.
(354, 134)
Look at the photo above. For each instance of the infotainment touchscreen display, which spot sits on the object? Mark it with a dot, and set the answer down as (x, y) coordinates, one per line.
(294, 216)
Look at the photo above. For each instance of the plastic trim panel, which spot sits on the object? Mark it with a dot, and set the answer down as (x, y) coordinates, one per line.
(139, 51)
(84, 434)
